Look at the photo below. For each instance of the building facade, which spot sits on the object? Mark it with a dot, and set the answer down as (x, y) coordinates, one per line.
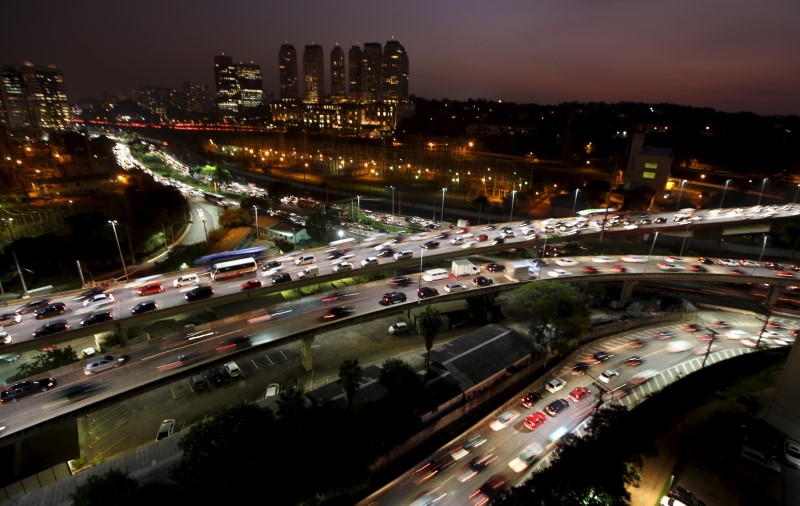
(34, 98)
(287, 67)
(337, 75)
(227, 86)
(313, 74)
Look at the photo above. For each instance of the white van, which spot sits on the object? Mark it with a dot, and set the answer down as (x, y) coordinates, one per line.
(185, 280)
(404, 254)
(435, 274)
(308, 272)
(305, 259)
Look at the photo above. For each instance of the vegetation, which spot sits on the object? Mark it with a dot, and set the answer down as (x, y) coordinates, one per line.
(44, 362)
(350, 378)
(555, 310)
(429, 322)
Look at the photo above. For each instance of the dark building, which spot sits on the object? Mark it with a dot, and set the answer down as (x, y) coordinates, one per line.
(227, 86)
(287, 61)
(313, 74)
(394, 73)
(34, 98)
(354, 57)
(337, 75)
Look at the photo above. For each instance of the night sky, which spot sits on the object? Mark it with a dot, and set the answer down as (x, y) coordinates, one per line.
(730, 55)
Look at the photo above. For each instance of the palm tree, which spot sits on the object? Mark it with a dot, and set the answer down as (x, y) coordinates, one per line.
(429, 321)
(350, 376)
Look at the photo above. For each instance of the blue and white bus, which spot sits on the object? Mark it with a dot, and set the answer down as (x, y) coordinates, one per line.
(233, 269)
(257, 252)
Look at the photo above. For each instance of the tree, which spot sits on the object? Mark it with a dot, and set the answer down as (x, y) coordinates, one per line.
(113, 487)
(350, 376)
(233, 218)
(261, 203)
(43, 362)
(283, 245)
(553, 309)
(291, 402)
(429, 321)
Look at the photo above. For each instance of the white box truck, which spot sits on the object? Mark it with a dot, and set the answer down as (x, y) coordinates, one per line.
(519, 271)
(308, 272)
(463, 267)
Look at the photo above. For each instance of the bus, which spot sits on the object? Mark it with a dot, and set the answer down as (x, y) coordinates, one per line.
(257, 252)
(598, 212)
(215, 199)
(233, 268)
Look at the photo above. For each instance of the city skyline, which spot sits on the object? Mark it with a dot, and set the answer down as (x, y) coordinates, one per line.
(729, 56)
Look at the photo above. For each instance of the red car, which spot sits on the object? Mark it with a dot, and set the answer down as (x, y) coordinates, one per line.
(590, 270)
(150, 288)
(535, 420)
(251, 283)
(619, 268)
(482, 237)
(580, 393)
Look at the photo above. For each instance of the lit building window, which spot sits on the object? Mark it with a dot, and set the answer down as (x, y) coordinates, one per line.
(648, 175)
(650, 165)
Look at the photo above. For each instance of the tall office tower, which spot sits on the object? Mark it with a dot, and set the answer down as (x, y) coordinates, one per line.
(394, 73)
(227, 86)
(47, 97)
(354, 57)
(313, 74)
(371, 65)
(16, 114)
(337, 74)
(287, 61)
(251, 88)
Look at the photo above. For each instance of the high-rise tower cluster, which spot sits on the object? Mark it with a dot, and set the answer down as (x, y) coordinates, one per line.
(33, 98)
(240, 88)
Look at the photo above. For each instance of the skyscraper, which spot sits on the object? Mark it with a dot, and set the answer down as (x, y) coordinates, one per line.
(287, 65)
(251, 88)
(371, 66)
(47, 97)
(337, 74)
(313, 74)
(15, 113)
(354, 57)
(227, 86)
(394, 73)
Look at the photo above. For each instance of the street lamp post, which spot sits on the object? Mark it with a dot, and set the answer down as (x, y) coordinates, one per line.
(680, 194)
(763, 247)
(761, 193)
(795, 195)
(727, 182)
(419, 282)
(114, 224)
(392, 188)
(511, 215)
(256, 209)
(652, 246)
(443, 191)
(710, 344)
(575, 203)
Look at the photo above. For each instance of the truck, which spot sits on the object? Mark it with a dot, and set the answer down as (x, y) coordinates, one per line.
(463, 267)
(308, 272)
(520, 271)
(462, 223)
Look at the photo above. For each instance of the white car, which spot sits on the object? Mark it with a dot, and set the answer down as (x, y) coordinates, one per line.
(728, 262)
(101, 299)
(526, 457)
(748, 263)
(504, 419)
(557, 273)
(553, 385)
(634, 258)
(232, 368)
(602, 259)
(664, 266)
(736, 334)
(566, 262)
(272, 390)
(469, 244)
(679, 346)
(369, 261)
(674, 259)
(454, 287)
(343, 266)
(103, 363)
(607, 375)
(384, 245)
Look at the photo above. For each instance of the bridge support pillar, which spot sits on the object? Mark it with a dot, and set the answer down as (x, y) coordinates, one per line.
(627, 290)
(305, 353)
(772, 295)
(122, 333)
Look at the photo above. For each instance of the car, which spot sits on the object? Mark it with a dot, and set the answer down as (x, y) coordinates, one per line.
(272, 390)
(603, 259)
(579, 369)
(51, 309)
(430, 245)
(601, 356)
(785, 274)
(101, 316)
(144, 307)
(218, 376)
(721, 324)
(441, 235)
(737, 271)
(727, 262)
(401, 281)
(664, 266)
(32, 306)
(692, 327)
(236, 343)
(558, 273)
(251, 283)
(186, 280)
(578, 394)
(566, 262)
(482, 281)
(430, 470)
(499, 240)
(589, 269)
(101, 299)
(97, 290)
(660, 220)
(383, 253)
(150, 289)
(338, 312)
(633, 361)
(674, 260)
(556, 407)
(638, 342)
(342, 266)
(697, 268)
(23, 389)
(425, 292)
(103, 363)
(643, 377)
(619, 268)
(679, 346)
(553, 385)
(534, 421)
(489, 227)
(504, 419)
(526, 457)
(608, 375)
(467, 446)
(5, 337)
(166, 429)
(508, 234)
(51, 328)
(398, 328)
(475, 466)
(392, 298)
(634, 258)
(791, 453)
(481, 237)
(273, 264)
(489, 490)
(469, 244)
(666, 334)
(199, 293)
(10, 318)
(369, 261)
(495, 267)
(749, 263)
(232, 370)
(530, 398)
(706, 261)
(454, 287)
(774, 266)
(198, 383)
(283, 277)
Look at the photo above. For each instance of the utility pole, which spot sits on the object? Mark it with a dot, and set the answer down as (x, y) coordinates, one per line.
(19, 272)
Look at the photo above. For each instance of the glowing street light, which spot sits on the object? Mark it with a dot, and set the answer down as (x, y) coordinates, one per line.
(651, 252)
(511, 215)
(575, 203)
(763, 247)
(795, 195)
(680, 194)
(443, 192)
(727, 182)
(761, 193)
(114, 224)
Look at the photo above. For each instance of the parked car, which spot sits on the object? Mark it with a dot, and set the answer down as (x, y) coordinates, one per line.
(504, 419)
(166, 429)
(233, 370)
(556, 407)
(553, 385)
(272, 390)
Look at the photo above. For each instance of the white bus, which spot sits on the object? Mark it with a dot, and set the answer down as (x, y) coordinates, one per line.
(233, 268)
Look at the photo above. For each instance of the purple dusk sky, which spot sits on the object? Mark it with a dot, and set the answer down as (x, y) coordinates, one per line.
(730, 55)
